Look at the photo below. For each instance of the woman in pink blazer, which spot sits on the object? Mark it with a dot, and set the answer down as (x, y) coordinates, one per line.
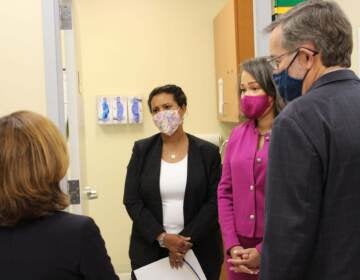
(241, 189)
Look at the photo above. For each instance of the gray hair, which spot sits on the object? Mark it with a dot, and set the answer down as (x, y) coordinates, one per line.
(261, 70)
(324, 24)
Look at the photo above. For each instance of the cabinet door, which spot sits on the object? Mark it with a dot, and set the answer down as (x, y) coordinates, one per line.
(225, 28)
(245, 30)
(234, 43)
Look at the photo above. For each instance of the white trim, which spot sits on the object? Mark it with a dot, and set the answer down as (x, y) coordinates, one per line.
(262, 11)
(53, 65)
(73, 104)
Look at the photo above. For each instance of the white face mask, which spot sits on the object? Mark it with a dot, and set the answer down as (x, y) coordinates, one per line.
(167, 121)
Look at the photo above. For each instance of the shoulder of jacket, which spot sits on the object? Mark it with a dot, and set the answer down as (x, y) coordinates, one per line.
(203, 144)
(146, 142)
(71, 221)
(240, 128)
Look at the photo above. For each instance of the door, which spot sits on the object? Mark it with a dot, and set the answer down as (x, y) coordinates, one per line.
(65, 108)
(63, 98)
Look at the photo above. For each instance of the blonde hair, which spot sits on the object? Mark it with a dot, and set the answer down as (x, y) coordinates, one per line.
(33, 160)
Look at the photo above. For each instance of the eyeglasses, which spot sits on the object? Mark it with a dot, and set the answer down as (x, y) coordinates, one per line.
(276, 61)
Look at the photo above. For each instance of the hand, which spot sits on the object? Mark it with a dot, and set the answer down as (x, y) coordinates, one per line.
(177, 244)
(175, 261)
(242, 268)
(252, 259)
(235, 252)
(248, 264)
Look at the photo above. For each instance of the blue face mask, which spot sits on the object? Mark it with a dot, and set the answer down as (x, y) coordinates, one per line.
(289, 88)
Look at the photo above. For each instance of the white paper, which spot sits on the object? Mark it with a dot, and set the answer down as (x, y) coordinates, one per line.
(161, 269)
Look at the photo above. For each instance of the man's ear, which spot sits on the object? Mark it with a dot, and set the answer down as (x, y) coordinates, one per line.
(307, 56)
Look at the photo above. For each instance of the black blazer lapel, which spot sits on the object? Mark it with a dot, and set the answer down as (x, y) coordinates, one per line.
(151, 177)
(195, 167)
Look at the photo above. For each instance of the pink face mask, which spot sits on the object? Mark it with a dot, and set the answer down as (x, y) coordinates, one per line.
(167, 121)
(254, 107)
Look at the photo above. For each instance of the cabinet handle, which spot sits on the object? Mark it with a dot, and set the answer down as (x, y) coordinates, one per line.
(224, 111)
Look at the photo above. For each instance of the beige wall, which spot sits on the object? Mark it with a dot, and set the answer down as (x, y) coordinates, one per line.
(129, 47)
(351, 8)
(21, 57)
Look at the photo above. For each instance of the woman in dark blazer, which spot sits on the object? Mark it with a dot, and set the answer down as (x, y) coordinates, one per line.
(37, 240)
(170, 191)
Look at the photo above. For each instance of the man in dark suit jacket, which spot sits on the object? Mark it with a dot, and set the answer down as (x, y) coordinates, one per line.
(313, 188)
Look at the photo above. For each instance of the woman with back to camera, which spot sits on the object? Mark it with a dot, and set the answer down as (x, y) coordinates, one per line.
(170, 190)
(242, 186)
(37, 240)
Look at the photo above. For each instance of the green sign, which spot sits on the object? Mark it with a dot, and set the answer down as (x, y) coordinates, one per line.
(287, 3)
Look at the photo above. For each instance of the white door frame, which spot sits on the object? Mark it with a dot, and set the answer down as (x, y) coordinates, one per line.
(53, 66)
(54, 86)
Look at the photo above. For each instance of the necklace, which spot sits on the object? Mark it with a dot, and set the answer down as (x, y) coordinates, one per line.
(174, 154)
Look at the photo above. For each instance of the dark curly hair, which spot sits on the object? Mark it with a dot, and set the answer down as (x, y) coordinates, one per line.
(175, 91)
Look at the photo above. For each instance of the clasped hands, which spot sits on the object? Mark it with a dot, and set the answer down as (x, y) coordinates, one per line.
(244, 260)
(178, 246)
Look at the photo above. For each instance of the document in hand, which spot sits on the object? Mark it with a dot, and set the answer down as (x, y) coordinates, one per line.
(161, 269)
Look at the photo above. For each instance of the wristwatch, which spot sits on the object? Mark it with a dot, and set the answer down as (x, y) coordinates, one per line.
(161, 240)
